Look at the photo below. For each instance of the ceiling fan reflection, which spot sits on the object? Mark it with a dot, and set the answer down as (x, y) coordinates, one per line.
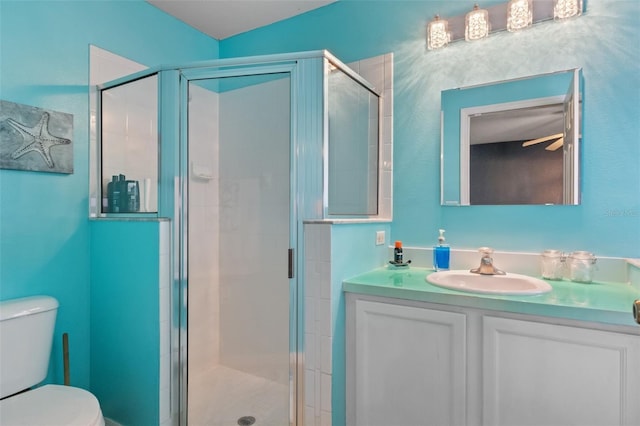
(558, 139)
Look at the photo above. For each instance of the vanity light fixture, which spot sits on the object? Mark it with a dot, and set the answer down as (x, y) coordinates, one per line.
(438, 35)
(514, 15)
(476, 24)
(519, 15)
(563, 9)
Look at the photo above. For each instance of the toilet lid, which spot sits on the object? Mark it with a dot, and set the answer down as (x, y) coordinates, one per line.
(51, 405)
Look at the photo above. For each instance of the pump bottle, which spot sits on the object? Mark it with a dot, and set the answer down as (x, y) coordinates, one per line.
(441, 254)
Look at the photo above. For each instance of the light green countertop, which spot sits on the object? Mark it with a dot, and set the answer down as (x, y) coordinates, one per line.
(608, 303)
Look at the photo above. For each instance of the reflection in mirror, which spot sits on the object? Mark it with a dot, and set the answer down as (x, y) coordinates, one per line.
(512, 142)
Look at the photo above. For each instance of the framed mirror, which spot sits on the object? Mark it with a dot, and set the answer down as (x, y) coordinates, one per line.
(512, 142)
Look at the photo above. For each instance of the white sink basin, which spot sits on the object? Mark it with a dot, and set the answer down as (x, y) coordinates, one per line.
(509, 284)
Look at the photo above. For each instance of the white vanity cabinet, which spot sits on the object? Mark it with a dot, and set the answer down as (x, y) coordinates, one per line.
(546, 374)
(407, 366)
(417, 363)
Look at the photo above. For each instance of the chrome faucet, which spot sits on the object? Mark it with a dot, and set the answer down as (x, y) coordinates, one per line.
(486, 263)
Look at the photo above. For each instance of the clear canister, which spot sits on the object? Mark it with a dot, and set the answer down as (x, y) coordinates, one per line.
(580, 265)
(552, 264)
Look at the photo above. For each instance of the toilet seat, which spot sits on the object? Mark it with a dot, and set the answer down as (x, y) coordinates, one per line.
(51, 405)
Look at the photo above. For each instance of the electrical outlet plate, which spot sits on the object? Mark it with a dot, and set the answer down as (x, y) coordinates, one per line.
(379, 238)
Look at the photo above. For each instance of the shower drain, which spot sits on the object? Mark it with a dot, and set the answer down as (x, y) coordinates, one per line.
(246, 420)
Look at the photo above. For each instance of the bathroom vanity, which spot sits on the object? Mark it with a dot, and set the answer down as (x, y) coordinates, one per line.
(418, 354)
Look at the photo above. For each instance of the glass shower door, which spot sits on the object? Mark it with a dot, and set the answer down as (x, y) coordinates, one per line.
(239, 233)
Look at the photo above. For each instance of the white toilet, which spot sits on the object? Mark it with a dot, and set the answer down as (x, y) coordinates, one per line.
(26, 335)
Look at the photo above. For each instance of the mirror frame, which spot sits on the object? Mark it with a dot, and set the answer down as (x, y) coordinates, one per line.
(454, 172)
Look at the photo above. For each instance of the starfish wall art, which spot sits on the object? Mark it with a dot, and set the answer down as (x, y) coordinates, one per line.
(35, 139)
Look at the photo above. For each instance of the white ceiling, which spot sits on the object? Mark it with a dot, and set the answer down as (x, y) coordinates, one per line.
(224, 18)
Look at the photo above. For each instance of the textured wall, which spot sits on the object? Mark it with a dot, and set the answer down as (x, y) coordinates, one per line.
(44, 226)
(604, 42)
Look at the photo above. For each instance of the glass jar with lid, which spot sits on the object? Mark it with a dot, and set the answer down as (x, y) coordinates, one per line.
(552, 263)
(580, 265)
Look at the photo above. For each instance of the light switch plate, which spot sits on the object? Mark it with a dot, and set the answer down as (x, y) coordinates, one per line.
(379, 238)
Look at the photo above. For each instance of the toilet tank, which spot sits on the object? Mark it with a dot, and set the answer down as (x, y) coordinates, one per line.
(26, 335)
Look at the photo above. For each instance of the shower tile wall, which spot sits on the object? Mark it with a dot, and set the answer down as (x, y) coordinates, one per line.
(254, 228)
(317, 325)
(373, 73)
(130, 131)
(204, 288)
(319, 310)
(238, 228)
(130, 136)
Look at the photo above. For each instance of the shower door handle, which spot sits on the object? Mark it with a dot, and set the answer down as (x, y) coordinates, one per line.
(290, 263)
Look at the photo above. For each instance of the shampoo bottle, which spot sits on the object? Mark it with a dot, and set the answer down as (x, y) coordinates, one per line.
(133, 196)
(110, 188)
(441, 254)
(122, 192)
(114, 195)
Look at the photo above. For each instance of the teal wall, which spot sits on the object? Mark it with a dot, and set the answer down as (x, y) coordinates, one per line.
(604, 42)
(44, 62)
(44, 48)
(353, 251)
(125, 331)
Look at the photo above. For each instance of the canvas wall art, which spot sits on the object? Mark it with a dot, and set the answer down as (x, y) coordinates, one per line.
(35, 139)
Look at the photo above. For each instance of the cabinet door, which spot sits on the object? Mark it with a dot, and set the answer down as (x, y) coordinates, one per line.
(543, 374)
(409, 365)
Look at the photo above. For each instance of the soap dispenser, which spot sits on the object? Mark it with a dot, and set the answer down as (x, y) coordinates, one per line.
(441, 254)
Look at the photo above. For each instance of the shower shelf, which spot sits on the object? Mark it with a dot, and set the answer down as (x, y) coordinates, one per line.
(201, 172)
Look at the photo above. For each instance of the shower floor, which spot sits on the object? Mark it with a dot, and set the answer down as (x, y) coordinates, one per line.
(222, 395)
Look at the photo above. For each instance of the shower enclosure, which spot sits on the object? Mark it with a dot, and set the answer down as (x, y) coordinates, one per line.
(241, 300)
(236, 154)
